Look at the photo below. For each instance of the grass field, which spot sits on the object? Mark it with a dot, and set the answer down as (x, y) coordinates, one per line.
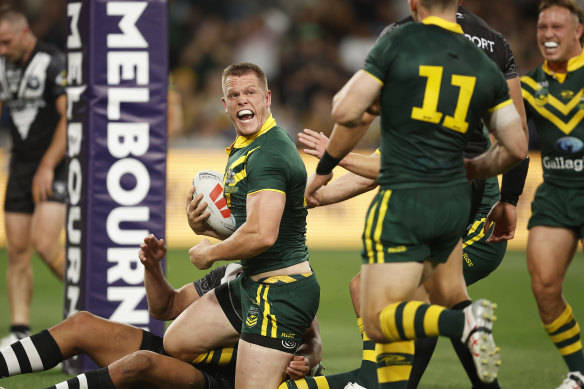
(529, 358)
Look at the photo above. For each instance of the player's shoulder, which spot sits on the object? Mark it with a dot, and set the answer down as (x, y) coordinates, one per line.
(393, 26)
(535, 73)
(533, 77)
(278, 138)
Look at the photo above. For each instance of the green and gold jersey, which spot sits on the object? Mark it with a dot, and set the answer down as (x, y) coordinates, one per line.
(269, 160)
(436, 85)
(555, 102)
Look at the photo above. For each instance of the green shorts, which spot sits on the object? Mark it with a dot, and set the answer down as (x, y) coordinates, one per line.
(414, 225)
(277, 311)
(480, 258)
(556, 206)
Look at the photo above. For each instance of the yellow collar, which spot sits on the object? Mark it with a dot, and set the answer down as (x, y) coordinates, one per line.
(242, 141)
(574, 63)
(445, 24)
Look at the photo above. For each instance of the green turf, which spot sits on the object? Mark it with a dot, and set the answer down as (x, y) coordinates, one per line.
(529, 358)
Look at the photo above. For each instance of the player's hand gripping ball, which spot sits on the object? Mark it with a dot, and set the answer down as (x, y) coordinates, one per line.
(210, 184)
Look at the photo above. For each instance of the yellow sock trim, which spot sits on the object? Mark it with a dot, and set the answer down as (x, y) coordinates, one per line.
(387, 323)
(409, 314)
(361, 326)
(571, 348)
(564, 318)
(321, 382)
(369, 355)
(566, 334)
(431, 320)
(394, 368)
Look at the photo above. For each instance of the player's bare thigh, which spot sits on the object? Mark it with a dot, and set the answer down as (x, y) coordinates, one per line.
(198, 329)
(47, 223)
(260, 367)
(446, 286)
(151, 370)
(387, 283)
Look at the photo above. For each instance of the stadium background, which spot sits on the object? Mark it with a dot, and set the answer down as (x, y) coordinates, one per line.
(308, 49)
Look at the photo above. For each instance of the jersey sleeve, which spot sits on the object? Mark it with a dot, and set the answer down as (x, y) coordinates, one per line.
(510, 68)
(381, 56)
(57, 75)
(500, 91)
(267, 169)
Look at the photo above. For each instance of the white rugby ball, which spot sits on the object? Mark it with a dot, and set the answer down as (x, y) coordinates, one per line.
(210, 184)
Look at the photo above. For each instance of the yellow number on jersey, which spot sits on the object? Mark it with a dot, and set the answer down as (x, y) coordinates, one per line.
(429, 110)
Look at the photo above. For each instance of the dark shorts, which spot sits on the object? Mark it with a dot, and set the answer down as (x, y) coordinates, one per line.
(229, 297)
(278, 310)
(414, 225)
(479, 258)
(19, 187)
(556, 206)
(217, 374)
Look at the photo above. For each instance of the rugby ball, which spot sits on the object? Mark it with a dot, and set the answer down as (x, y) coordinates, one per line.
(210, 184)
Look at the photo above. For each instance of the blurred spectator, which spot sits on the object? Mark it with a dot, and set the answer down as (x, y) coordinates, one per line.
(308, 48)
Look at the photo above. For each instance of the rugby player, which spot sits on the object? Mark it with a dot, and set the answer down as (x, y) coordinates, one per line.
(264, 186)
(553, 96)
(129, 355)
(397, 256)
(32, 87)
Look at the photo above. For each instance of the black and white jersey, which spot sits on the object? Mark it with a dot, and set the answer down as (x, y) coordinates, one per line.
(494, 45)
(29, 91)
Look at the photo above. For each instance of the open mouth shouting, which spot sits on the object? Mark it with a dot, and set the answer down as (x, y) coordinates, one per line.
(245, 115)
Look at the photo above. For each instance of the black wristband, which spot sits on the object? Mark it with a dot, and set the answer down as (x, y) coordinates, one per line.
(513, 182)
(326, 164)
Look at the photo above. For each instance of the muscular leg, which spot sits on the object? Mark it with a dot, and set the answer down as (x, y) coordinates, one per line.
(446, 286)
(382, 286)
(143, 369)
(103, 340)
(19, 277)
(153, 370)
(48, 221)
(257, 366)
(550, 251)
(201, 327)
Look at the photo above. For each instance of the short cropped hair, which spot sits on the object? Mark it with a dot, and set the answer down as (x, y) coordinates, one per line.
(570, 5)
(439, 4)
(14, 17)
(241, 69)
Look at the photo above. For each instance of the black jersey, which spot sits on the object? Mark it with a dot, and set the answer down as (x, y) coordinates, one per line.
(29, 91)
(494, 45)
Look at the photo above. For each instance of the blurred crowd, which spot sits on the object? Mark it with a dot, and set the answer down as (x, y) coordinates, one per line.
(308, 48)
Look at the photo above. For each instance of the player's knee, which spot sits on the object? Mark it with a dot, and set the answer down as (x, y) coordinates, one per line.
(355, 286)
(44, 247)
(546, 288)
(372, 326)
(80, 322)
(136, 365)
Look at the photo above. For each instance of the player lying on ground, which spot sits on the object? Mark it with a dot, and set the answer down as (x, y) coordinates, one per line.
(130, 355)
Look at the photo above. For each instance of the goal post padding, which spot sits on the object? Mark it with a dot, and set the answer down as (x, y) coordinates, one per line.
(116, 155)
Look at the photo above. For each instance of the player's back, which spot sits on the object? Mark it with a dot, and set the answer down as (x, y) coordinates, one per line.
(437, 85)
